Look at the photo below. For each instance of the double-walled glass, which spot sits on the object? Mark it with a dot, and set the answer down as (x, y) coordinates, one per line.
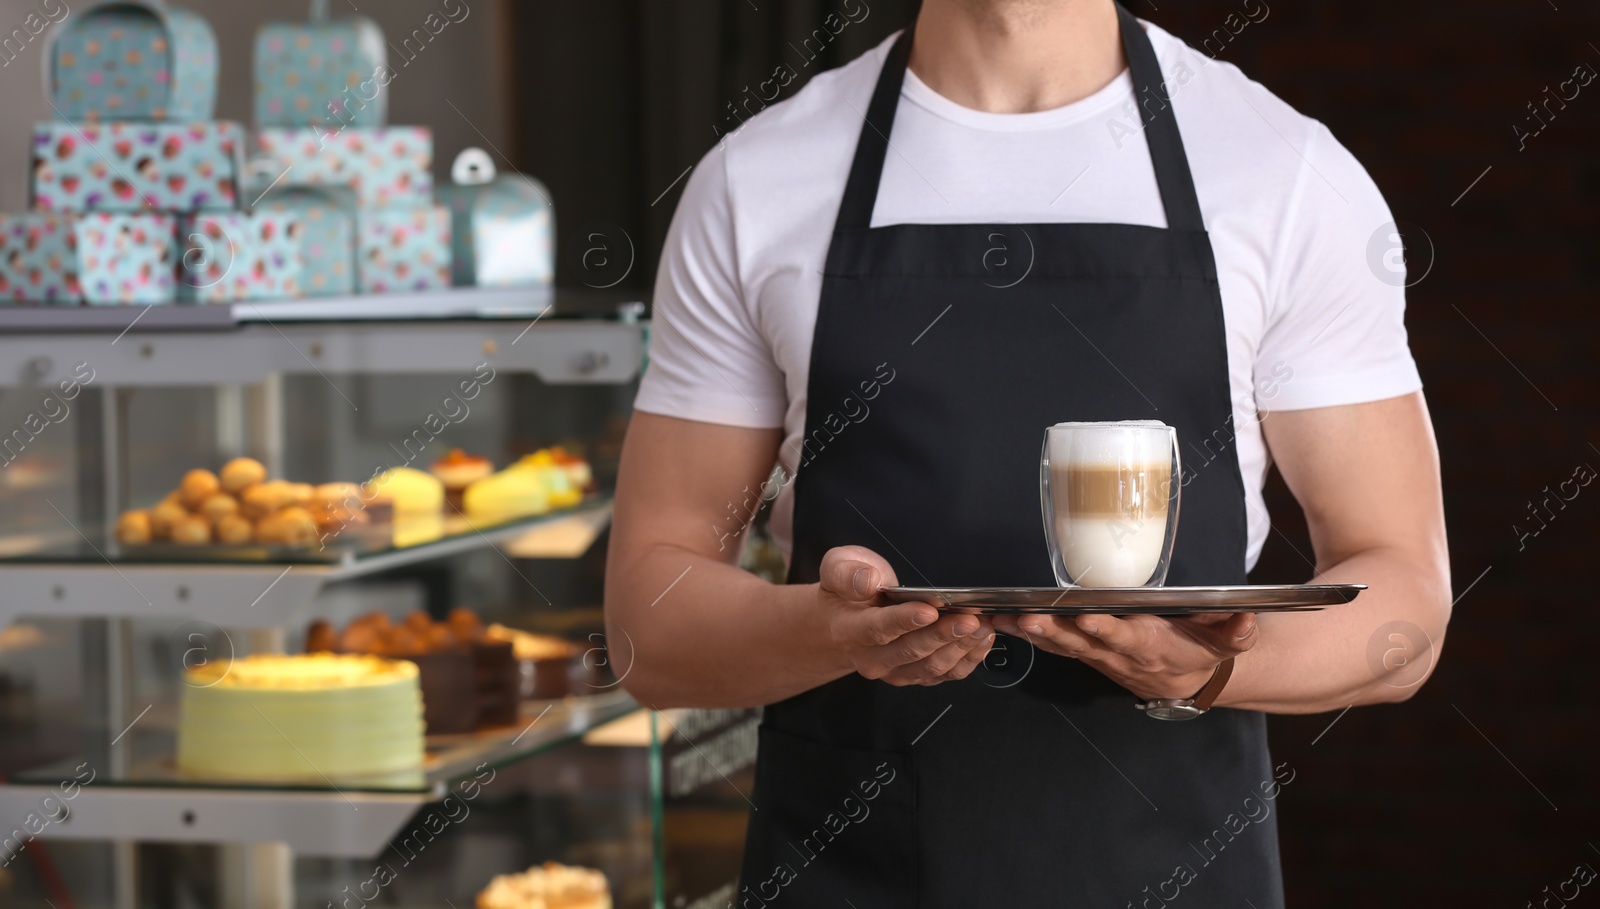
(1109, 493)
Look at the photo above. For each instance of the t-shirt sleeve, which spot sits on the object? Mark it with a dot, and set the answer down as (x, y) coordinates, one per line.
(1335, 330)
(708, 358)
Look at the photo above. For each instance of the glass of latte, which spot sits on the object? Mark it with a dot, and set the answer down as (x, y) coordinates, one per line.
(1109, 501)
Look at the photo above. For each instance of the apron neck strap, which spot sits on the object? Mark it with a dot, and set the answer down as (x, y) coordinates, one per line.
(1160, 127)
(1150, 96)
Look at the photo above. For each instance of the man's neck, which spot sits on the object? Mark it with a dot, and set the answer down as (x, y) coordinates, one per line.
(1017, 56)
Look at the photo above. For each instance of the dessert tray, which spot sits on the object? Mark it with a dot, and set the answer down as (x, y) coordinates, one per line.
(1168, 601)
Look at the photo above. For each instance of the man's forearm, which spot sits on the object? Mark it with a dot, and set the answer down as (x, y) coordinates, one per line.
(1344, 655)
(685, 630)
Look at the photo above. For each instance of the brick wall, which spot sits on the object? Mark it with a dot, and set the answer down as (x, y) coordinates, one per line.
(1410, 804)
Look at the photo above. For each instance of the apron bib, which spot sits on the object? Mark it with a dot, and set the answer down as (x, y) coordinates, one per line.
(1034, 782)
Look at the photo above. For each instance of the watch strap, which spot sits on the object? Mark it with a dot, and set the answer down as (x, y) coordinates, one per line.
(1207, 695)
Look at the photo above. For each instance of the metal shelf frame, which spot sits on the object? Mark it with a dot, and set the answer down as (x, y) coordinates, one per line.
(355, 825)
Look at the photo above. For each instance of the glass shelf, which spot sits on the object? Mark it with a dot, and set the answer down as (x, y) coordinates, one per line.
(248, 588)
(419, 537)
(148, 758)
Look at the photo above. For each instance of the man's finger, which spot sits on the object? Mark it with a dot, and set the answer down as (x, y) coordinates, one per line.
(947, 658)
(943, 663)
(850, 579)
(1234, 636)
(855, 573)
(1239, 633)
(971, 661)
(1121, 635)
(880, 625)
(921, 644)
(1061, 635)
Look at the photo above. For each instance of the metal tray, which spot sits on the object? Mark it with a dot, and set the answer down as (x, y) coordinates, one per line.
(1127, 600)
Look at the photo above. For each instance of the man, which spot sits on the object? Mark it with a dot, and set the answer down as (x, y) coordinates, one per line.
(1018, 213)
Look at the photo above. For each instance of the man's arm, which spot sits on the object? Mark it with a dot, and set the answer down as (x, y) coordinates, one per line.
(1367, 476)
(686, 627)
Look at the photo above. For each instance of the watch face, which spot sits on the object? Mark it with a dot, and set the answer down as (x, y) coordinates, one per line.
(1173, 712)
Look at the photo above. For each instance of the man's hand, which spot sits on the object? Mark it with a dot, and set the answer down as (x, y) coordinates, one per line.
(1151, 656)
(902, 643)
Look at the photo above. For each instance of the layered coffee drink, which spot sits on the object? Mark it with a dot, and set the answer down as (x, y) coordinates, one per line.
(1110, 503)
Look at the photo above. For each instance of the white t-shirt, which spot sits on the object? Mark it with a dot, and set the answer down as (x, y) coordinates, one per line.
(1312, 281)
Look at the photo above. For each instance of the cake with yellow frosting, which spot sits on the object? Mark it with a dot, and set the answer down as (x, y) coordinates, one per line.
(553, 475)
(315, 717)
(536, 484)
(548, 886)
(511, 493)
(410, 491)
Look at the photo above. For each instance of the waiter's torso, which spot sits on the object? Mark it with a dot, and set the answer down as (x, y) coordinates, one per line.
(1034, 782)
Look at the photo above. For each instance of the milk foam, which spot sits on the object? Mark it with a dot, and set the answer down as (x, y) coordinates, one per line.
(1110, 444)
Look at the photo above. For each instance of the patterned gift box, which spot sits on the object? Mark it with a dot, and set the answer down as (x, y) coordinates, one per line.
(134, 60)
(387, 167)
(324, 72)
(133, 166)
(126, 258)
(328, 235)
(233, 256)
(39, 259)
(503, 227)
(403, 249)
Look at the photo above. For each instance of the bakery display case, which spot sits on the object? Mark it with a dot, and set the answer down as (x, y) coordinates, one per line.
(301, 607)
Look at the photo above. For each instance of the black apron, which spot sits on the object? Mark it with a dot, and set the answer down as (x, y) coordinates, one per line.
(1034, 782)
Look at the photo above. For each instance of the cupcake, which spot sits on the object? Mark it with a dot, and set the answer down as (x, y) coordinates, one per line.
(458, 470)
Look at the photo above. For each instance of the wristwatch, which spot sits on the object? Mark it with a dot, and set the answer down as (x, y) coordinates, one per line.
(1190, 707)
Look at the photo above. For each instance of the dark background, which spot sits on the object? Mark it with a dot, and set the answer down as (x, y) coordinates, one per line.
(1480, 790)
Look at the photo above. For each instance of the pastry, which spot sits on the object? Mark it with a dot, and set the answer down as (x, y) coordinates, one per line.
(258, 501)
(545, 664)
(496, 682)
(336, 506)
(134, 527)
(547, 886)
(241, 472)
(163, 516)
(191, 530)
(282, 493)
(449, 687)
(290, 526)
(458, 470)
(530, 646)
(553, 476)
(577, 469)
(301, 494)
(376, 502)
(410, 491)
(243, 506)
(416, 529)
(307, 717)
(512, 493)
(336, 521)
(235, 530)
(320, 637)
(218, 506)
(196, 486)
(344, 497)
(468, 681)
(465, 623)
